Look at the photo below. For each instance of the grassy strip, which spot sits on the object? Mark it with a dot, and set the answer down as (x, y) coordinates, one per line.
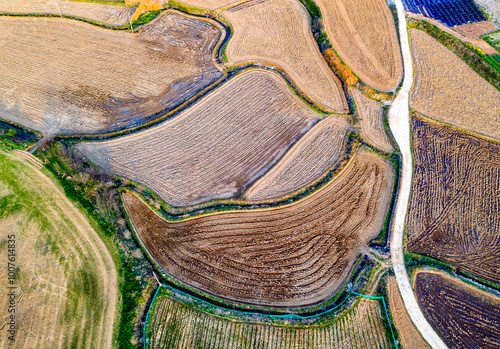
(13, 137)
(494, 61)
(415, 261)
(95, 195)
(471, 55)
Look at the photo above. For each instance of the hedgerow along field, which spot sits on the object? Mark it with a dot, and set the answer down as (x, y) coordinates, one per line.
(371, 117)
(173, 324)
(448, 12)
(317, 152)
(454, 210)
(216, 148)
(462, 315)
(95, 85)
(66, 289)
(408, 333)
(469, 105)
(364, 35)
(102, 13)
(293, 255)
(279, 32)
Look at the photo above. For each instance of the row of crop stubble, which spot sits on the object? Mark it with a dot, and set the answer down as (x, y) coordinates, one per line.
(293, 255)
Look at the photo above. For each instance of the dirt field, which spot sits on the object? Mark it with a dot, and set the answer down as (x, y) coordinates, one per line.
(65, 282)
(364, 35)
(109, 14)
(454, 211)
(306, 162)
(279, 32)
(177, 325)
(475, 30)
(464, 316)
(409, 335)
(292, 255)
(211, 4)
(96, 84)
(372, 121)
(216, 148)
(470, 104)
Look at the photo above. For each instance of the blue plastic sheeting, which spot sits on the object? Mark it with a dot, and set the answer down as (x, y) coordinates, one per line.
(448, 12)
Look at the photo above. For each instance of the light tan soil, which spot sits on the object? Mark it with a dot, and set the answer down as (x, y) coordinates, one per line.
(108, 14)
(410, 337)
(306, 162)
(364, 35)
(216, 148)
(279, 32)
(62, 76)
(448, 90)
(372, 121)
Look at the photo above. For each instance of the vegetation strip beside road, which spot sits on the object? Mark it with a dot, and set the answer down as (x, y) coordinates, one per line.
(399, 121)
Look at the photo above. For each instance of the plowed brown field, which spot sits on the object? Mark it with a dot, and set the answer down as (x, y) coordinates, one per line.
(279, 32)
(81, 79)
(109, 14)
(410, 337)
(372, 121)
(462, 315)
(292, 255)
(316, 153)
(177, 325)
(363, 33)
(448, 90)
(216, 148)
(455, 207)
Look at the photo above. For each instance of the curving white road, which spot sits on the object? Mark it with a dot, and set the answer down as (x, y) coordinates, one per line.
(399, 122)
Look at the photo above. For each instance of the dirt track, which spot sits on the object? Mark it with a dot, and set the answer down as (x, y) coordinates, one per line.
(399, 121)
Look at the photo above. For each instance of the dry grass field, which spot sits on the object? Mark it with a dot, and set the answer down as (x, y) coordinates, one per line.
(279, 32)
(104, 80)
(292, 255)
(372, 121)
(216, 148)
(108, 14)
(211, 4)
(177, 325)
(454, 212)
(409, 335)
(462, 315)
(448, 90)
(364, 35)
(306, 162)
(65, 284)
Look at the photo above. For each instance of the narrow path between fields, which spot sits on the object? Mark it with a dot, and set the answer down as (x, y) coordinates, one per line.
(399, 122)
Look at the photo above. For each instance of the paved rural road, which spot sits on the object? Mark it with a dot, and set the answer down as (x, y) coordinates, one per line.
(399, 121)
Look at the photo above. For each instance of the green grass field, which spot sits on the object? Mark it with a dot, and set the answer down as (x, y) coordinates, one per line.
(63, 278)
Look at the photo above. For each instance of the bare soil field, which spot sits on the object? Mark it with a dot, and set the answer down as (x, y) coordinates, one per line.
(363, 33)
(211, 4)
(454, 211)
(177, 325)
(293, 255)
(108, 14)
(476, 30)
(216, 148)
(306, 162)
(65, 280)
(448, 90)
(372, 121)
(279, 32)
(409, 335)
(95, 84)
(464, 316)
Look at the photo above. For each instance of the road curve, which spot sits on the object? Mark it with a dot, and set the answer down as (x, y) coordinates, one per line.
(399, 122)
